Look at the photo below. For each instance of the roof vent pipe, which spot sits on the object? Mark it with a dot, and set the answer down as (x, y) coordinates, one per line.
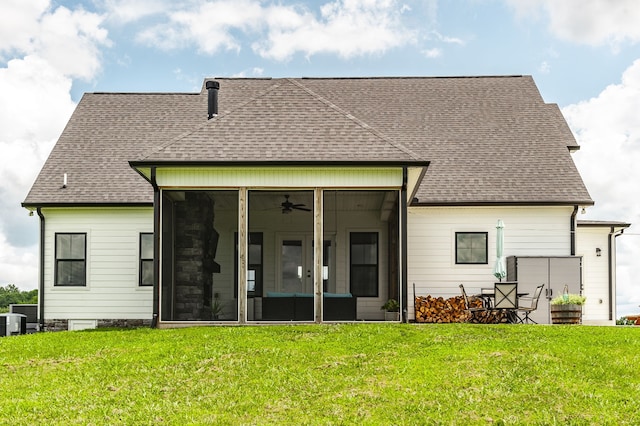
(212, 88)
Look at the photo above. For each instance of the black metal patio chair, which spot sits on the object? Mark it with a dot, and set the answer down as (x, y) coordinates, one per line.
(467, 304)
(506, 298)
(530, 305)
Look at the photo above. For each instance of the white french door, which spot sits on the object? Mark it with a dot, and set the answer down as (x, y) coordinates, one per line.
(296, 269)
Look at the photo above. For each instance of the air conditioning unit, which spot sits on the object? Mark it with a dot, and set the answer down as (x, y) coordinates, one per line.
(13, 324)
(31, 311)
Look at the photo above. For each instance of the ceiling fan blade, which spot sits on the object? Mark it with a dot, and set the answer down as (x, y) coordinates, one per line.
(288, 206)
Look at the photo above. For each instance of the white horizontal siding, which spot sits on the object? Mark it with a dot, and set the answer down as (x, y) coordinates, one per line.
(271, 177)
(529, 231)
(112, 290)
(595, 273)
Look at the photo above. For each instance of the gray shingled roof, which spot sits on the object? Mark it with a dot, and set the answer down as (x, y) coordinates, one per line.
(286, 122)
(488, 139)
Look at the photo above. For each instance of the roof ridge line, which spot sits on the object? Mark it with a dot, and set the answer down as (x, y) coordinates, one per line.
(208, 122)
(356, 120)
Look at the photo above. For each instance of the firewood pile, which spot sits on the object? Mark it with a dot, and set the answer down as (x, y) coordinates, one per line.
(439, 310)
(491, 316)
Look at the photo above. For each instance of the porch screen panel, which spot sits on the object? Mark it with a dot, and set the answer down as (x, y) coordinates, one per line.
(284, 282)
(198, 256)
(363, 229)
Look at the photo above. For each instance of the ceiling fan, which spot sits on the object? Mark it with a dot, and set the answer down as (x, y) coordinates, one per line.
(288, 206)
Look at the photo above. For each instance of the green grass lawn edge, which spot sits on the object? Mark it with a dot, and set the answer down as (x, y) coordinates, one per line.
(324, 374)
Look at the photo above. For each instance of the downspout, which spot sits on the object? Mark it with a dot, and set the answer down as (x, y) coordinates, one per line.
(156, 249)
(41, 278)
(403, 232)
(573, 230)
(610, 245)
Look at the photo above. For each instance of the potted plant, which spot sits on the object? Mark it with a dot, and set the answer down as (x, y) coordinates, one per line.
(216, 307)
(391, 310)
(567, 308)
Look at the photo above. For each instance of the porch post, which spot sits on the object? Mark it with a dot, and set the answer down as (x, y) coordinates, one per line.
(318, 244)
(157, 230)
(403, 247)
(242, 255)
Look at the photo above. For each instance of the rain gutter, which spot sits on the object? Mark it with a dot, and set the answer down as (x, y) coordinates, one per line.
(573, 230)
(611, 244)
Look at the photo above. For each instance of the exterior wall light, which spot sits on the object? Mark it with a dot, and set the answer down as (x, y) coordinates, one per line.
(598, 252)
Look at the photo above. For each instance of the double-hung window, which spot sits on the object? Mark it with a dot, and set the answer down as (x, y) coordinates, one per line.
(146, 259)
(471, 248)
(71, 259)
(364, 264)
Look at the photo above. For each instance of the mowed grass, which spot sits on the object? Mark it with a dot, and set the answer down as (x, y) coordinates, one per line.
(377, 374)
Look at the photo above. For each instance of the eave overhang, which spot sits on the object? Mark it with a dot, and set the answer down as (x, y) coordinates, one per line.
(602, 224)
(31, 206)
(417, 203)
(144, 167)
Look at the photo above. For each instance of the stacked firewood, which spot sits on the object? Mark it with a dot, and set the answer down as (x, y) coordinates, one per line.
(439, 310)
(491, 316)
(430, 309)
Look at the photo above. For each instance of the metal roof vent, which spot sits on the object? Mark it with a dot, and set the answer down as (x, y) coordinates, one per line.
(212, 89)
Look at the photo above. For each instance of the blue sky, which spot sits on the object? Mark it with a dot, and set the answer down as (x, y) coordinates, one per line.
(583, 54)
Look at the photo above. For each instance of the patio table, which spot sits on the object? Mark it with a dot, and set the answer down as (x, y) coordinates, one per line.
(488, 294)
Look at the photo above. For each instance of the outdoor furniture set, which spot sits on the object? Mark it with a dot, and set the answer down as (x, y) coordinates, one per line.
(504, 297)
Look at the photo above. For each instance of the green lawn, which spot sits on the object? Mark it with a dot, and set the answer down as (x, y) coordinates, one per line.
(374, 374)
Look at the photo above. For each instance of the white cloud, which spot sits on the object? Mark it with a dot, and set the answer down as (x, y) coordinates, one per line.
(432, 53)
(608, 130)
(254, 72)
(70, 42)
(446, 39)
(592, 22)
(210, 26)
(19, 21)
(33, 110)
(127, 11)
(35, 103)
(347, 28)
(46, 48)
(19, 265)
(545, 67)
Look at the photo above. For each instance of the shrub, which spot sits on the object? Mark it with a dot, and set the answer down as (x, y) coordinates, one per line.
(573, 299)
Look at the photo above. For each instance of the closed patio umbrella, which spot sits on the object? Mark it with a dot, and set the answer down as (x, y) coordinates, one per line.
(500, 268)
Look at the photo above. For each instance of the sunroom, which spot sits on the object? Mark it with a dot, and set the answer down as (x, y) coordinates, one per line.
(248, 254)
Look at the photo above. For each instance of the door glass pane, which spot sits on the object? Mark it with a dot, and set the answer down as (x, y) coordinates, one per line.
(326, 265)
(292, 272)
